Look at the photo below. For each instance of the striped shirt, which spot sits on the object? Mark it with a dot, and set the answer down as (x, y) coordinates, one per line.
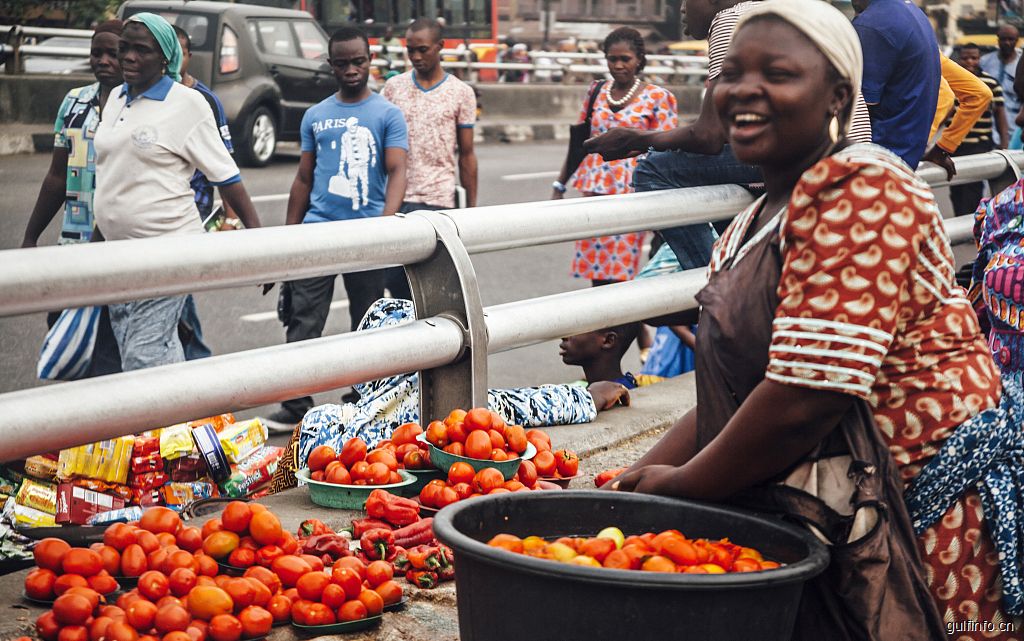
(981, 132)
(723, 26)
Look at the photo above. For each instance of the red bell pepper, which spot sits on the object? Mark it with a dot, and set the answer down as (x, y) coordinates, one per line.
(424, 557)
(396, 510)
(313, 527)
(419, 533)
(377, 544)
(359, 526)
(401, 560)
(334, 545)
(421, 578)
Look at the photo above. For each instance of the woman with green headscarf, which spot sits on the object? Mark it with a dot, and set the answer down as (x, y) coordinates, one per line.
(154, 134)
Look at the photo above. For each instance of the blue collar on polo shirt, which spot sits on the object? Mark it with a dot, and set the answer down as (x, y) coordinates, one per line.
(158, 91)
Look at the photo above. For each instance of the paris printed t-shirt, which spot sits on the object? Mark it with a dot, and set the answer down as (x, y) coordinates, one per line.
(349, 139)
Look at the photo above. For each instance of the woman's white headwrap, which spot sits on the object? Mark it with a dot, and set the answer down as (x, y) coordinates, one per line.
(825, 26)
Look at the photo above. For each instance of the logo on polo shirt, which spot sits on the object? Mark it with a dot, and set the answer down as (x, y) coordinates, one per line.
(144, 137)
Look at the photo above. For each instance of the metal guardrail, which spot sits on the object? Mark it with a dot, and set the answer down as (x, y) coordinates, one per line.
(448, 343)
(564, 63)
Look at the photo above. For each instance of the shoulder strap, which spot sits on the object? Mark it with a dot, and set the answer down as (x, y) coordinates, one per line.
(596, 89)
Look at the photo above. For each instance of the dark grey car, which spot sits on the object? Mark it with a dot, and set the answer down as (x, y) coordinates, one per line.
(266, 65)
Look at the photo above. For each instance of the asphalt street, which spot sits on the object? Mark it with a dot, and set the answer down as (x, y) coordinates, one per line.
(240, 319)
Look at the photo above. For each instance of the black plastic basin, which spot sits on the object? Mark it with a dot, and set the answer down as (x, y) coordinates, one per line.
(502, 595)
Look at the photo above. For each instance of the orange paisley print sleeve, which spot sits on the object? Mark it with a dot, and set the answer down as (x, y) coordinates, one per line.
(869, 304)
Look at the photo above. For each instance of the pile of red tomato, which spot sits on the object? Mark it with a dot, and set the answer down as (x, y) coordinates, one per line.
(464, 482)
(181, 596)
(667, 551)
(478, 434)
(354, 465)
(351, 591)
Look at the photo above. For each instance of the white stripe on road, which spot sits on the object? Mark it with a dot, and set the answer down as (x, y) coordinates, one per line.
(269, 199)
(536, 174)
(268, 316)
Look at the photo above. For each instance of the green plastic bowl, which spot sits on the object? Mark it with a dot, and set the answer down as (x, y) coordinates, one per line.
(422, 478)
(443, 460)
(347, 497)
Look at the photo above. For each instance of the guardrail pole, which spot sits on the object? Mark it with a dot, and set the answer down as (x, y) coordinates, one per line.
(13, 64)
(445, 286)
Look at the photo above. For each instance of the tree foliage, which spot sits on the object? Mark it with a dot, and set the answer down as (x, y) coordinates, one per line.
(80, 14)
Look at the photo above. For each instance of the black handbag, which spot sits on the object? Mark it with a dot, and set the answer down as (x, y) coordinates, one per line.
(580, 132)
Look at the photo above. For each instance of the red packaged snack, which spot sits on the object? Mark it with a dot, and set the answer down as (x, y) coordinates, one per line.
(186, 468)
(146, 445)
(148, 498)
(146, 464)
(149, 481)
(76, 504)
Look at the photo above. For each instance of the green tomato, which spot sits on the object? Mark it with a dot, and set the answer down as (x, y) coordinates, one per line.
(613, 533)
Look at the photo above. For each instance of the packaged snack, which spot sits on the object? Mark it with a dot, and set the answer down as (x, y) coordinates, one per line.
(76, 504)
(217, 422)
(176, 441)
(178, 496)
(148, 498)
(146, 445)
(107, 460)
(242, 439)
(149, 481)
(38, 496)
(41, 467)
(148, 463)
(116, 489)
(210, 449)
(29, 517)
(186, 468)
(124, 515)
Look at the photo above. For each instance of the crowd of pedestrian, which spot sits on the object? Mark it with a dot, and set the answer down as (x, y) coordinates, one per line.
(844, 378)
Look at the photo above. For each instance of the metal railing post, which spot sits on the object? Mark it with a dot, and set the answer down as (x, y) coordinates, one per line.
(13, 62)
(445, 286)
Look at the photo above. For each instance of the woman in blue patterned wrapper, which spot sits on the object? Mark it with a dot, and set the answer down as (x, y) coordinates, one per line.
(386, 403)
(997, 287)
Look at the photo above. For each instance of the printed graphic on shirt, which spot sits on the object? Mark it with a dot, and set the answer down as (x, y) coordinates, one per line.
(358, 153)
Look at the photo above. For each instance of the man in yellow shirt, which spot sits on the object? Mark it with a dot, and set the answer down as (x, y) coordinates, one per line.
(973, 97)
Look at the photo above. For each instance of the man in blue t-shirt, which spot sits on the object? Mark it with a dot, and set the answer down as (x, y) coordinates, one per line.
(353, 165)
(901, 74)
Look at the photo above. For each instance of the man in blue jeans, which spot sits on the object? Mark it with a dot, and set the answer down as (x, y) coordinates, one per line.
(693, 155)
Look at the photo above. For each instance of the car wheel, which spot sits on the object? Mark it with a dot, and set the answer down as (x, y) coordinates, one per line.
(260, 140)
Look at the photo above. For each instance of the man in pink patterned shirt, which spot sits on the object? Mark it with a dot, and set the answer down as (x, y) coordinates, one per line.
(441, 112)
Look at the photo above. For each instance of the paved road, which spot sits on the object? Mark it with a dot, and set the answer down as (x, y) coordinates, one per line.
(239, 319)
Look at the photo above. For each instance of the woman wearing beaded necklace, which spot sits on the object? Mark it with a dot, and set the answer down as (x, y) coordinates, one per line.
(625, 101)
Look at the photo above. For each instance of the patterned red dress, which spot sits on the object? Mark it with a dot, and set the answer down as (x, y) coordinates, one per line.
(869, 306)
(617, 257)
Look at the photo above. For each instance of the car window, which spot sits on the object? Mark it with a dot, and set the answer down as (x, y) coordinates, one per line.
(312, 42)
(276, 38)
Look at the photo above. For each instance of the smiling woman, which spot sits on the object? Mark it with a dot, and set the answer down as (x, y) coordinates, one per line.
(835, 343)
(153, 135)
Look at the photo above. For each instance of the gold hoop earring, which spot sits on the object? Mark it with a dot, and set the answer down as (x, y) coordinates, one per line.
(833, 129)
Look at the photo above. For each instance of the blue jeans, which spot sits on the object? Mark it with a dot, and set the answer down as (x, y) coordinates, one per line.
(147, 332)
(190, 332)
(675, 169)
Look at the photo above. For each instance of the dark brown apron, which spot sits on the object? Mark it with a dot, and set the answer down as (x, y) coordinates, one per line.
(874, 588)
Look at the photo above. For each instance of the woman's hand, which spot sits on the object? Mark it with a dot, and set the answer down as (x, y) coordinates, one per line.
(650, 479)
(608, 394)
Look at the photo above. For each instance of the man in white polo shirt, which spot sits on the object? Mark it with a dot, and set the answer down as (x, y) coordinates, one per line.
(153, 135)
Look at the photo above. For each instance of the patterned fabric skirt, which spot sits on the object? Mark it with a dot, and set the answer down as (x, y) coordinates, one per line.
(962, 569)
(608, 257)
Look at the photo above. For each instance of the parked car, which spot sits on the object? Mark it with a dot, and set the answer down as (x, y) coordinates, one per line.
(266, 65)
(60, 65)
